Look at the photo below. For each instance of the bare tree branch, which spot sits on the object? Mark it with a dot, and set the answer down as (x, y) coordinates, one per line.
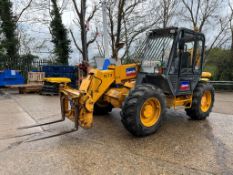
(75, 42)
(199, 11)
(223, 28)
(76, 8)
(231, 23)
(93, 39)
(92, 14)
(24, 9)
(100, 49)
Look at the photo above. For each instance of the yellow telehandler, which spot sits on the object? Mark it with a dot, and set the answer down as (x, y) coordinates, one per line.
(169, 74)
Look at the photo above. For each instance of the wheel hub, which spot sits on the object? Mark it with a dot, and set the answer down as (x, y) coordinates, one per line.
(206, 101)
(150, 112)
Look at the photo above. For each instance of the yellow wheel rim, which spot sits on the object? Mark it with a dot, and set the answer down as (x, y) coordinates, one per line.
(150, 112)
(206, 101)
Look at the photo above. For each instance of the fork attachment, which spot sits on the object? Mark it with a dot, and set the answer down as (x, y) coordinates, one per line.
(62, 99)
(77, 106)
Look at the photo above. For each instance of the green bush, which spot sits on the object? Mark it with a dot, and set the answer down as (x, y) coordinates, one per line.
(220, 63)
(212, 69)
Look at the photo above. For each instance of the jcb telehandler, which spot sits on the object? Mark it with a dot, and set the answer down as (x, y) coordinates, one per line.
(169, 75)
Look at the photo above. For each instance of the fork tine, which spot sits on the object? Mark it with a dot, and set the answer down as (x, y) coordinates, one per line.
(42, 124)
(54, 135)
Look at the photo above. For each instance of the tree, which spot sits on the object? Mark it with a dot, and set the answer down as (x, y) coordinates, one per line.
(205, 13)
(166, 11)
(231, 24)
(23, 10)
(35, 38)
(198, 12)
(59, 36)
(27, 59)
(8, 26)
(83, 23)
(220, 64)
(127, 20)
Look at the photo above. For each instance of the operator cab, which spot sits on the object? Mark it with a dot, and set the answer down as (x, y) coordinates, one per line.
(172, 59)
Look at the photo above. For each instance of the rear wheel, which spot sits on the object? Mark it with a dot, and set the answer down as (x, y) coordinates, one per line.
(143, 110)
(202, 103)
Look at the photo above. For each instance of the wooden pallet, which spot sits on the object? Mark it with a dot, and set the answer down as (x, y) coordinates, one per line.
(36, 76)
(27, 88)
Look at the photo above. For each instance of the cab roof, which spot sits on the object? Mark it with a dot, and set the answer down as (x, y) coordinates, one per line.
(172, 30)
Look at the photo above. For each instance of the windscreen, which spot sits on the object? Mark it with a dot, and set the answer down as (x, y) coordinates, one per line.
(154, 52)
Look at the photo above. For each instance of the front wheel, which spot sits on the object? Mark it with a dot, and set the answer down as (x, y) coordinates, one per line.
(202, 103)
(143, 110)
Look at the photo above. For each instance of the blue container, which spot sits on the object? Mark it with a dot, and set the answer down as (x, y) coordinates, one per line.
(10, 77)
(61, 71)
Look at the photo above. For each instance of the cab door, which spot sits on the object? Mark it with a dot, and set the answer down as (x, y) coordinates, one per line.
(191, 58)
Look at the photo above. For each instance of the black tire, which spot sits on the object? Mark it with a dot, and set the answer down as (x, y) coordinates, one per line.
(195, 112)
(131, 110)
(102, 108)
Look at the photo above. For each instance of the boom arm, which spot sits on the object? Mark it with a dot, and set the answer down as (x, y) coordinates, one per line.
(78, 105)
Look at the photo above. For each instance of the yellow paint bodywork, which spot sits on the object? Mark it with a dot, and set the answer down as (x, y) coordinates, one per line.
(120, 72)
(116, 96)
(97, 82)
(206, 75)
(58, 80)
(98, 86)
(109, 86)
(184, 100)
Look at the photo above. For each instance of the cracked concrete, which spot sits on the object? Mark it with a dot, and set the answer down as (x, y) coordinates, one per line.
(181, 146)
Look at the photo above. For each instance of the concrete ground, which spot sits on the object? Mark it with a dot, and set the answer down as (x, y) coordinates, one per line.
(181, 146)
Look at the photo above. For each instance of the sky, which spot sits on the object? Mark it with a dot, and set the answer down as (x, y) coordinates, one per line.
(31, 28)
(34, 26)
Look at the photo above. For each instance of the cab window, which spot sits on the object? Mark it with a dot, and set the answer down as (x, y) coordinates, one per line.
(199, 54)
(187, 57)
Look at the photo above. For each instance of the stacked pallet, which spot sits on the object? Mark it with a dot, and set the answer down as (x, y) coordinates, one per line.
(34, 84)
(36, 78)
(27, 88)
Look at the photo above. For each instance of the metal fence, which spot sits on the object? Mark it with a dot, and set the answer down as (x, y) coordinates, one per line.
(222, 85)
(37, 65)
(27, 66)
